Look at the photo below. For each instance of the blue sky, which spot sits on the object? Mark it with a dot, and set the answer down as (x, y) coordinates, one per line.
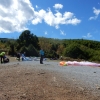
(60, 19)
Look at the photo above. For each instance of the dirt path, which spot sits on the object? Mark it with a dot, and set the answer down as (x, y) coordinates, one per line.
(19, 82)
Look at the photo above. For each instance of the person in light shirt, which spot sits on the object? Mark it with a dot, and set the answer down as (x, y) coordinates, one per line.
(23, 56)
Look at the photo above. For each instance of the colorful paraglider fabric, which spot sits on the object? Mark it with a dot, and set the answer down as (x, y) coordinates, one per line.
(76, 63)
(63, 63)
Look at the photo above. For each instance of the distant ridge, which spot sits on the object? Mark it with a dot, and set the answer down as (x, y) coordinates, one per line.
(6, 39)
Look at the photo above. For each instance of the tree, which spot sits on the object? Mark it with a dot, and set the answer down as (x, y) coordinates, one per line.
(73, 51)
(11, 45)
(32, 51)
(26, 38)
(23, 49)
(60, 49)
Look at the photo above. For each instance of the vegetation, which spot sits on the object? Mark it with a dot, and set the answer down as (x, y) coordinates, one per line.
(54, 48)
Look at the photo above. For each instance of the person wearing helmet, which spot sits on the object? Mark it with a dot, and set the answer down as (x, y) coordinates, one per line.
(2, 56)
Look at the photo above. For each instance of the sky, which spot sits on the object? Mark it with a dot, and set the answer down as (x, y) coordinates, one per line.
(58, 19)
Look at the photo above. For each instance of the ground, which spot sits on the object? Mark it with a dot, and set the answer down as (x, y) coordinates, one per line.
(19, 82)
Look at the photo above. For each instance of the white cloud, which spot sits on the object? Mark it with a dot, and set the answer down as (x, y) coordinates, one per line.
(96, 12)
(55, 19)
(88, 35)
(45, 32)
(91, 18)
(58, 6)
(62, 32)
(37, 6)
(16, 14)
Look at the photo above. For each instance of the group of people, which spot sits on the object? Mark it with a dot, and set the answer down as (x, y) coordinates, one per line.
(4, 59)
(18, 55)
(24, 57)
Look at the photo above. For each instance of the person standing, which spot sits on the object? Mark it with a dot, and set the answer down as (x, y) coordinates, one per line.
(23, 56)
(41, 56)
(18, 56)
(2, 56)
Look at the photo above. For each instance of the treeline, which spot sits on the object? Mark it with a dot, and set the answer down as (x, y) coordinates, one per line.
(54, 48)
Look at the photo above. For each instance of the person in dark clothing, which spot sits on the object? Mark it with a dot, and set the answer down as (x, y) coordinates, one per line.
(6, 60)
(18, 56)
(41, 56)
